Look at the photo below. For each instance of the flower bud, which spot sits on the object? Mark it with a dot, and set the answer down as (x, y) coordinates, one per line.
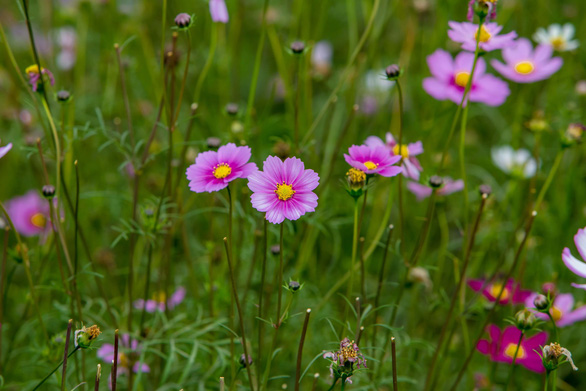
(574, 132)
(294, 286)
(485, 190)
(213, 142)
(232, 109)
(48, 191)
(393, 72)
(525, 320)
(183, 20)
(541, 303)
(550, 290)
(275, 249)
(63, 96)
(282, 149)
(85, 336)
(436, 181)
(243, 362)
(297, 47)
(356, 179)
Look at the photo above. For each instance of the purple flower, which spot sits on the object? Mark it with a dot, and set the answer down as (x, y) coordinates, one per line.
(343, 360)
(562, 310)
(411, 166)
(373, 160)
(35, 77)
(321, 58)
(422, 191)
(159, 301)
(525, 65)
(283, 189)
(30, 214)
(466, 34)
(129, 351)
(4, 150)
(213, 171)
(577, 267)
(219, 11)
(451, 76)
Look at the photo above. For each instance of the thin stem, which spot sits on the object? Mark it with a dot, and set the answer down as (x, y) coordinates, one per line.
(33, 46)
(381, 278)
(57, 147)
(65, 352)
(297, 103)
(2, 287)
(208, 63)
(125, 95)
(354, 248)
(300, 350)
(549, 179)
(394, 363)
(554, 326)
(400, 179)
(261, 292)
(54, 370)
(510, 378)
(115, 361)
(183, 82)
(98, 375)
(280, 276)
(333, 384)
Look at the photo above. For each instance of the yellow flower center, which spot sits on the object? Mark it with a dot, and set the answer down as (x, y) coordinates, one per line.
(403, 151)
(512, 348)
(222, 170)
(32, 69)
(495, 289)
(123, 360)
(484, 35)
(356, 176)
(371, 165)
(348, 352)
(462, 78)
(39, 220)
(558, 43)
(556, 313)
(160, 297)
(284, 191)
(524, 67)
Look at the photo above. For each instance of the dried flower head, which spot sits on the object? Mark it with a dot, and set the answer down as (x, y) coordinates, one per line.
(553, 355)
(343, 360)
(35, 77)
(86, 335)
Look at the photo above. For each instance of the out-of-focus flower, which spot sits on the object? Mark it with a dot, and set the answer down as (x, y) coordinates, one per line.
(86, 336)
(375, 89)
(562, 310)
(30, 214)
(128, 355)
(554, 355)
(573, 134)
(219, 11)
(525, 320)
(526, 65)
(284, 189)
(411, 166)
(450, 77)
(343, 360)
(35, 77)
(577, 267)
(518, 163)
(512, 292)
(213, 171)
(67, 41)
(393, 72)
(420, 275)
(557, 36)
(4, 150)
(501, 347)
(321, 58)
(537, 123)
(183, 20)
(581, 87)
(159, 301)
(483, 8)
(489, 40)
(448, 186)
(243, 362)
(373, 160)
(356, 180)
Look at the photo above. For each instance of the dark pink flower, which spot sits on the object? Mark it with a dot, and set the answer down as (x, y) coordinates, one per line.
(30, 214)
(422, 191)
(577, 267)
(466, 34)
(512, 293)
(213, 171)
(284, 189)
(501, 347)
(411, 166)
(373, 160)
(525, 65)
(450, 77)
(562, 310)
(35, 77)
(158, 302)
(219, 11)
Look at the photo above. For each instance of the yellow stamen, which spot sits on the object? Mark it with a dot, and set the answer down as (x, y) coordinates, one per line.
(222, 170)
(371, 165)
(32, 69)
(123, 360)
(558, 43)
(484, 35)
(462, 78)
(512, 348)
(284, 191)
(160, 297)
(495, 289)
(348, 352)
(556, 314)
(356, 176)
(39, 220)
(404, 152)
(524, 67)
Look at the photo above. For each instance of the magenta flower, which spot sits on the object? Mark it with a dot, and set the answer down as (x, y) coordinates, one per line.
(213, 170)
(489, 4)
(411, 166)
(450, 78)
(30, 214)
(129, 351)
(4, 150)
(373, 160)
(283, 189)
(422, 191)
(525, 65)
(466, 34)
(501, 347)
(159, 301)
(577, 267)
(219, 11)
(562, 310)
(512, 293)
(35, 77)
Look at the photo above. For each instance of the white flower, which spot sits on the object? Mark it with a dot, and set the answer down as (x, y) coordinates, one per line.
(518, 163)
(557, 36)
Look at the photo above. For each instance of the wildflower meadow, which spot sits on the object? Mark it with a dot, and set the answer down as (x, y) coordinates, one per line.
(294, 195)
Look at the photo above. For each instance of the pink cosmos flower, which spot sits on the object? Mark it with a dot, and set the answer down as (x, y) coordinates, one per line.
(562, 310)
(30, 214)
(129, 351)
(466, 34)
(283, 189)
(35, 77)
(219, 11)
(512, 293)
(501, 347)
(373, 160)
(525, 65)
(411, 166)
(158, 302)
(490, 4)
(213, 170)
(450, 78)
(577, 267)
(4, 150)
(422, 191)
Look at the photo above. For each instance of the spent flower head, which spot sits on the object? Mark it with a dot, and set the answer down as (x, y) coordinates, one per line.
(35, 77)
(553, 355)
(344, 360)
(85, 336)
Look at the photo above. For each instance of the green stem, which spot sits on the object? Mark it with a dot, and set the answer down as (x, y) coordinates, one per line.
(547, 183)
(511, 373)
(208, 63)
(280, 277)
(555, 327)
(333, 384)
(54, 370)
(354, 247)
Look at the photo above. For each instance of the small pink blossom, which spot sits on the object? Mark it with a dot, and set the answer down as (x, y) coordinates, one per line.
(158, 302)
(577, 267)
(219, 11)
(422, 191)
(5, 149)
(562, 310)
(30, 214)
(35, 77)
(489, 40)
(512, 292)
(373, 160)
(411, 166)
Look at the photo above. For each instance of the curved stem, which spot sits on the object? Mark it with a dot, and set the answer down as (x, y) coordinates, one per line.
(333, 384)
(551, 175)
(54, 370)
(280, 277)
